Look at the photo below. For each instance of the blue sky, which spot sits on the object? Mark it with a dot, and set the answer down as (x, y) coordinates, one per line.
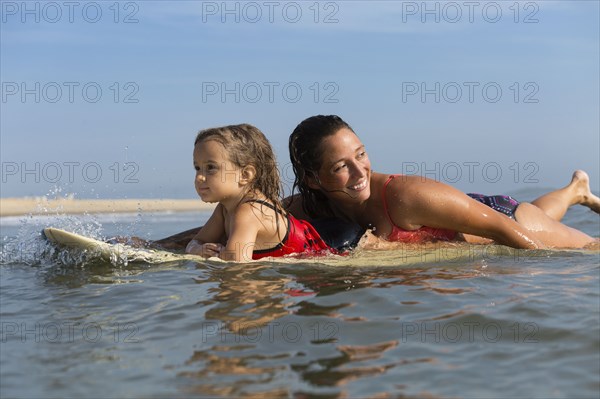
(103, 99)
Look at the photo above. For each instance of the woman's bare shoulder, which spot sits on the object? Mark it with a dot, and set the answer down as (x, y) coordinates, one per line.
(411, 185)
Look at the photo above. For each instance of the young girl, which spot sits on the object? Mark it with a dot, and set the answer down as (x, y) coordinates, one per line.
(235, 167)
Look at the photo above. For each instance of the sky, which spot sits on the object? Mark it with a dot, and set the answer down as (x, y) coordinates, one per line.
(103, 99)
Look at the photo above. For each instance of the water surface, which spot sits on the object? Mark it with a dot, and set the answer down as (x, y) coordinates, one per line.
(510, 324)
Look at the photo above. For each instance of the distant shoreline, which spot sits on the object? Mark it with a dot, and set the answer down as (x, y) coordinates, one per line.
(43, 205)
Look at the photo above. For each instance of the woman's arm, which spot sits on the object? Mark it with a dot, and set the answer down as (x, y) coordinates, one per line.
(177, 241)
(424, 202)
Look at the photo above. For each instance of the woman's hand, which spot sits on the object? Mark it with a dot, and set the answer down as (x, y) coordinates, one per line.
(207, 250)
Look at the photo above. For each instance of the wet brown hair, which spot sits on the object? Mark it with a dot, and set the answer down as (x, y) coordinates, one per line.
(247, 145)
(306, 153)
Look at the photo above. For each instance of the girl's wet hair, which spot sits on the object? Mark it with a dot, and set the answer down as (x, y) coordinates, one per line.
(305, 154)
(247, 145)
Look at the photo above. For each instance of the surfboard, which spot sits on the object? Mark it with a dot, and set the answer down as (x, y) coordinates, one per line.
(123, 254)
(443, 253)
(114, 253)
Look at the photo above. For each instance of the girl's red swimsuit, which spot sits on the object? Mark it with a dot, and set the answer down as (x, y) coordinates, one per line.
(300, 237)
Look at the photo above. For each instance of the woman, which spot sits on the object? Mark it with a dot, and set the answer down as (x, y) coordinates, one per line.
(334, 177)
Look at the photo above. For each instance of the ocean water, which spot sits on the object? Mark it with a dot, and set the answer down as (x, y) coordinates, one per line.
(490, 324)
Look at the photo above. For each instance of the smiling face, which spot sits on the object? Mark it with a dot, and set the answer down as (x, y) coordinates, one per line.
(217, 178)
(345, 172)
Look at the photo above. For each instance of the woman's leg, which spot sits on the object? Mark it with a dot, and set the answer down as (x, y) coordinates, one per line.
(556, 203)
(550, 231)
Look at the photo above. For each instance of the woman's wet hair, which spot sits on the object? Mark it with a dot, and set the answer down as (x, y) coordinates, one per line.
(305, 155)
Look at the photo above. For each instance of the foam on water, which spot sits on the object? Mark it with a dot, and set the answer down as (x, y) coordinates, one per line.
(30, 247)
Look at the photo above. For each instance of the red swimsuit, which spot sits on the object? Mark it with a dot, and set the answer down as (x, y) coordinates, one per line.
(419, 235)
(300, 237)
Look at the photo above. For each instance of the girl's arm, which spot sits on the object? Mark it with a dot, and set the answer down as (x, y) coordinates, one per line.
(426, 202)
(244, 226)
(208, 241)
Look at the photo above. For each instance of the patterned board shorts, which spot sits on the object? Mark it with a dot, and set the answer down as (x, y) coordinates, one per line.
(502, 203)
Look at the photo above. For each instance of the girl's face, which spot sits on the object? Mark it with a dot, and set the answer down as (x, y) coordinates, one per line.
(217, 179)
(345, 171)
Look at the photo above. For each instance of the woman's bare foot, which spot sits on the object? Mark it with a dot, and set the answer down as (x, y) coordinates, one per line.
(581, 184)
